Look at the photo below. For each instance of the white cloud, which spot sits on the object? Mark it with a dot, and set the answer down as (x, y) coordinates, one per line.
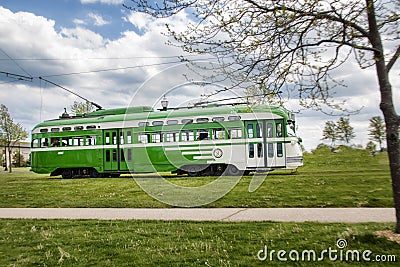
(98, 20)
(109, 2)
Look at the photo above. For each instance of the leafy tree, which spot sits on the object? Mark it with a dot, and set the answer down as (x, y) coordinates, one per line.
(345, 131)
(371, 147)
(81, 107)
(377, 131)
(11, 133)
(297, 45)
(330, 132)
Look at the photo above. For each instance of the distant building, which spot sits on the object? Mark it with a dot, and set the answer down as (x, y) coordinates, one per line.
(24, 148)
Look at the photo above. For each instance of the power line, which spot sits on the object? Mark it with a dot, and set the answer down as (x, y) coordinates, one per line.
(122, 68)
(95, 58)
(19, 66)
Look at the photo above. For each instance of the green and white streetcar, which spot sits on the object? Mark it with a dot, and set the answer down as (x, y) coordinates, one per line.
(200, 140)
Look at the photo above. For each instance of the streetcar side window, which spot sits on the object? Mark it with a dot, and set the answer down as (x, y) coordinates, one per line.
(250, 131)
(156, 137)
(67, 141)
(78, 141)
(202, 135)
(121, 138)
(279, 150)
(35, 143)
(114, 138)
(187, 136)
(143, 138)
(107, 138)
(270, 130)
(55, 142)
(218, 133)
(171, 137)
(44, 142)
(129, 137)
(279, 129)
(90, 140)
(259, 130)
(235, 133)
(270, 150)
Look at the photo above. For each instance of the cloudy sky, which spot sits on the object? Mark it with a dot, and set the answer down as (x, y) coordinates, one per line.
(114, 57)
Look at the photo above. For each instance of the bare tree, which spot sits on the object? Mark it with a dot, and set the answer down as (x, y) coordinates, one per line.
(297, 45)
(11, 133)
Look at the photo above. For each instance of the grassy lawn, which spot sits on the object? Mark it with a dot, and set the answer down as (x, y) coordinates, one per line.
(151, 243)
(348, 178)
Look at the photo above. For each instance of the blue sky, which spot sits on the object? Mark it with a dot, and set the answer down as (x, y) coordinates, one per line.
(103, 18)
(72, 42)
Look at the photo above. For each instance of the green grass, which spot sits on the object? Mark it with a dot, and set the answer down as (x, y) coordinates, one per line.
(349, 178)
(151, 243)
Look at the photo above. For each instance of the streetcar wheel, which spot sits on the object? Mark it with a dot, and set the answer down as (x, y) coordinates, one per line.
(66, 174)
(95, 174)
(231, 170)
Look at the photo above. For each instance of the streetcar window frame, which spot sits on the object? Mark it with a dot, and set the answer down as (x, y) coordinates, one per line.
(66, 129)
(44, 130)
(55, 130)
(78, 128)
(91, 127)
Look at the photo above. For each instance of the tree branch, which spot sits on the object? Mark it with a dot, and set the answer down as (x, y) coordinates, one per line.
(393, 59)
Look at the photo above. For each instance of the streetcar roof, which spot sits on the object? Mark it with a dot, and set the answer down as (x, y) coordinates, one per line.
(147, 113)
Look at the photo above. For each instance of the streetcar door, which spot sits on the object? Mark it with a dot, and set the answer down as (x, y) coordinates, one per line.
(255, 147)
(275, 144)
(111, 150)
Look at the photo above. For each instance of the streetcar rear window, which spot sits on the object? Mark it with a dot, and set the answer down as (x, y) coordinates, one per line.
(55, 129)
(44, 130)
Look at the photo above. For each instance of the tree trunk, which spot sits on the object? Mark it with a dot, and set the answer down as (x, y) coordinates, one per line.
(10, 159)
(392, 120)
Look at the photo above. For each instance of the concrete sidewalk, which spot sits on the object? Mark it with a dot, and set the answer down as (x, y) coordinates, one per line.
(346, 215)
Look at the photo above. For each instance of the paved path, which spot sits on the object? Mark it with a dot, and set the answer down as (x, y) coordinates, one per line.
(348, 215)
